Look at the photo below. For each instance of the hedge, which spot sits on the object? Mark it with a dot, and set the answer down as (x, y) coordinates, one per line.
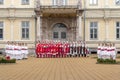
(2, 60)
(106, 61)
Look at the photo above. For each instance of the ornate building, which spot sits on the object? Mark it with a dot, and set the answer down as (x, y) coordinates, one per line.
(30, 20)
(90, 20)
(60, 20)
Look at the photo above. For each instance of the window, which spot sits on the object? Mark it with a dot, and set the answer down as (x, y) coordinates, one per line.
(59, 2)
(25, 29)
(25, 2)
(117, 2)
(1, 30)
(59, 31)
(63, 35)
(93, 30)
(93, 2)
(55, 35)
(118, 30)
(1, 2)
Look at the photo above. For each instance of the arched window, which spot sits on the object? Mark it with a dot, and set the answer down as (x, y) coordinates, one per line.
(59, 31)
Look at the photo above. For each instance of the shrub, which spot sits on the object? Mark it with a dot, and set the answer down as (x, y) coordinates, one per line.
(7, 61)
(106, 61)
(0, 58)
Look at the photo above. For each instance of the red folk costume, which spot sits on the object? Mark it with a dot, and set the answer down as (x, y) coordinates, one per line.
(61, 49)
(40, 49)
(86, 51)
(67, 48)
(54, 49)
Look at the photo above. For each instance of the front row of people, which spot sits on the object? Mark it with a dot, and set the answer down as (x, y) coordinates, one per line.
(58, 49)
(106, 51)
(61, 49)
(16, 50)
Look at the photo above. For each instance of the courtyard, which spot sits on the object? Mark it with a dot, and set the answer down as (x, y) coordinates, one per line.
(60, 69)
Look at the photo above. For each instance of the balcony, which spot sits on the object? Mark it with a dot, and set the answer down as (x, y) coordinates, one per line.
(58, 10)
(59, 7)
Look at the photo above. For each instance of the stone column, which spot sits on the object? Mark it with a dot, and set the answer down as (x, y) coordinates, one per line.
(38, 28)
(79, 27)
(46, 29)
(79, 18)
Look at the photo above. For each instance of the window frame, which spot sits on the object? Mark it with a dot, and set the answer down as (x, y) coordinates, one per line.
(57, 2)
(55, 35)
(118, 28)
(2, 27)
(92, 2)
(25, 27)
(1, 2)
(24, 2)
(118, 3)
(94, 27)
(63, 35)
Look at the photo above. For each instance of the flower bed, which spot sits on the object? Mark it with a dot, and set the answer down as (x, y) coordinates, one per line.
(106, 61)
(7, 60)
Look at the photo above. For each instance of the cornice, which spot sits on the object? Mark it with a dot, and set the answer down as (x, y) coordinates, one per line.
(102, 9)
(17, 8)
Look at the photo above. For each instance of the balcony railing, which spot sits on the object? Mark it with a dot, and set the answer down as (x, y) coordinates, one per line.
(59, 6)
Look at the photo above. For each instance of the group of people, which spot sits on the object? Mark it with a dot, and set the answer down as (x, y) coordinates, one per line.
(106, 51)
(16, 50)
(61, 49)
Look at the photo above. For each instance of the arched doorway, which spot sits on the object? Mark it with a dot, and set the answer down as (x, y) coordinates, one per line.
(59, 32)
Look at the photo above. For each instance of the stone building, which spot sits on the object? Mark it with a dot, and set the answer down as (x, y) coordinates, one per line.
(60, 20)
(90, 20)
(30, 20)
(17, 21)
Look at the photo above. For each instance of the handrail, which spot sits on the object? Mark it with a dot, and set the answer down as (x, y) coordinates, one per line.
(58, 6)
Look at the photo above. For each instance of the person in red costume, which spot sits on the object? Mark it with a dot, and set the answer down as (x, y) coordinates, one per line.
(37, 49)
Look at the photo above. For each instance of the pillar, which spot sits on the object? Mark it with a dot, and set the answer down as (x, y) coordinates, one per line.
(38, 28)
(79, 25)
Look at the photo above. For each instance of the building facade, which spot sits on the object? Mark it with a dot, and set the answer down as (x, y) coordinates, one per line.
(30, 20)
(59, 20)
(17, 22)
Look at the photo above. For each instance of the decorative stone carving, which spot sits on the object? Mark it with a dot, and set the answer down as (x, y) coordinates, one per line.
(37, 3)
(79, 4)
(71, 26)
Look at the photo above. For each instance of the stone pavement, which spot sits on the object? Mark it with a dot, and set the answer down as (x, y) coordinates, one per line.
(59, 69)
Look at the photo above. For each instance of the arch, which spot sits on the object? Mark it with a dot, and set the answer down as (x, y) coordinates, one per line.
(51, 27)
(59, 25)
(59, 31)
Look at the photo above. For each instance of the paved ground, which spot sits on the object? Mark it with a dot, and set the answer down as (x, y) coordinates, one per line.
(59, 69)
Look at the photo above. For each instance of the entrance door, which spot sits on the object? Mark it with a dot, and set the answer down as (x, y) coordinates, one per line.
(59, 32)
